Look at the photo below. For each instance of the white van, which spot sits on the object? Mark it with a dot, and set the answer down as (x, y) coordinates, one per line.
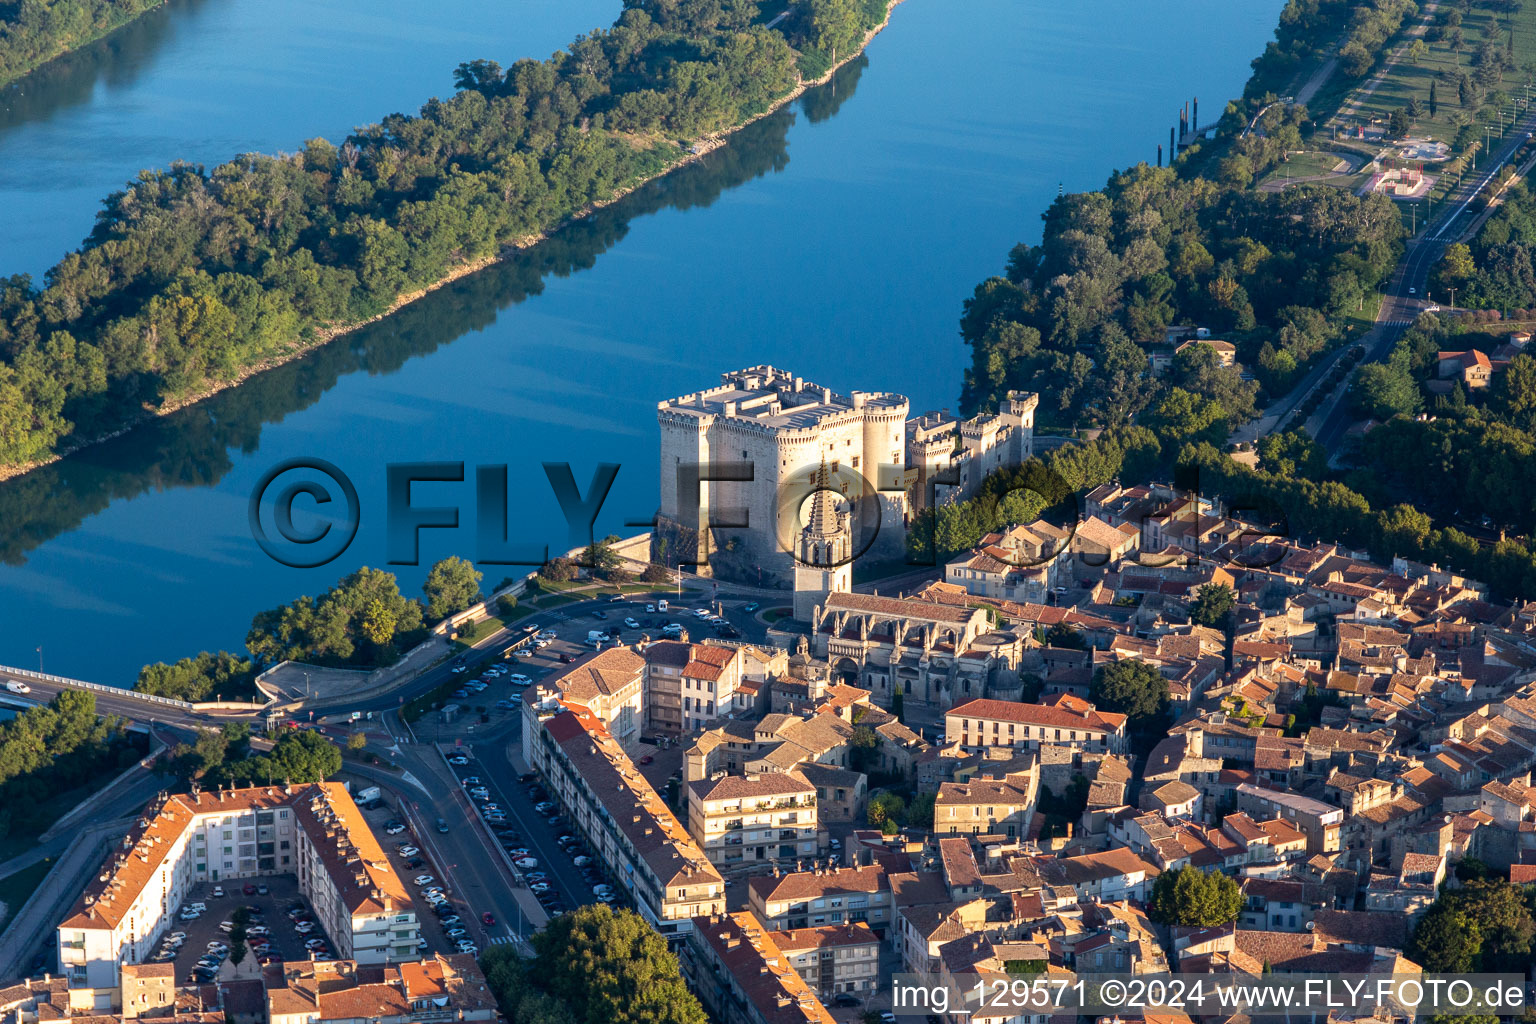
(661, 605)
(17, 687)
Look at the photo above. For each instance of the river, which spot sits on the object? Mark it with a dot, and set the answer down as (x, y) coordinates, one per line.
(836, 238)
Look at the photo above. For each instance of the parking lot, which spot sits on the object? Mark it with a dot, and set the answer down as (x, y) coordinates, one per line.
(535, 835)
(267, 910)
(410, 858)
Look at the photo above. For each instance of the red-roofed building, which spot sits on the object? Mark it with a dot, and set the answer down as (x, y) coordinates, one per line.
(1065, 722)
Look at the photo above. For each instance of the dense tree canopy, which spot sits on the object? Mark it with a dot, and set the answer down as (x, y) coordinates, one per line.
(48, 750)
(1132, 687)
(33, 32)
(592, 966)
(192, 275)
(1194, 898)
(356, 621)
(452, 585)
(200, 678)
(1075, 317)
(1484, 926)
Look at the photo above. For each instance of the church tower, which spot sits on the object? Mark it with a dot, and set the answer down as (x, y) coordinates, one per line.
(823, 558)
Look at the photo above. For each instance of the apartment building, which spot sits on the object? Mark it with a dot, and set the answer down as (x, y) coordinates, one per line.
(314, 832)
(689, 687)
(439, 989)
(754, 822)
(624, 820)
(1065, 721)
(811, 899)
(833, 959)
(610, 684)
(1319, 822)
(736, 968)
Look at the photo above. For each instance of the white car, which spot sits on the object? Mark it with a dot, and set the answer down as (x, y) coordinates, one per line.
(702, 613)
(548, 634)
(304, 927)
(424, 880)
(17, 687)
(541, 644)
(518, 679)
(631, 624)
(408, 851)
(650, 607)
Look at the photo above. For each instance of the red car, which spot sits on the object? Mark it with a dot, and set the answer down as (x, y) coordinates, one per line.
(487, 918)
(647, 759)
(249, 890)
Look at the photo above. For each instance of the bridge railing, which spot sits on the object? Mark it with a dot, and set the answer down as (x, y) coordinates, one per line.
(27, 675)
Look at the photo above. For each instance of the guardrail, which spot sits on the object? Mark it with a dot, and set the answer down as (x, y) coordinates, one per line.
(79, 684)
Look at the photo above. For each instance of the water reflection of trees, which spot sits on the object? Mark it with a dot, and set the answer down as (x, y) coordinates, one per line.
(71, 79)
(191, 448)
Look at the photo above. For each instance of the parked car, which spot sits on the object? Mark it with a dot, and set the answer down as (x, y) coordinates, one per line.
(424, 880)
(528, 863)
(218, 892)
(394, 828)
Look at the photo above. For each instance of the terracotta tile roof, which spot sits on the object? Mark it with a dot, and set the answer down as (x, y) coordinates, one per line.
(800, 940)
(903, 608)
(745, 787)
(352, 855)
(602, 675)
(747, 950)
(1038, 714)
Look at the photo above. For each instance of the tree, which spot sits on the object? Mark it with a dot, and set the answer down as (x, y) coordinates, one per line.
(656, 573)
(1514, 393)
(559, 570)
(1397, 123)
(1384, 390)
(1131, 687)
(357, 741)
(1194, 898)
(1434, 104)
(611, 967)
(1213, 606)
(452, 585)
(200, 678)
(506, 604)
(1063, 634)
(1293, 454)
(886, 807)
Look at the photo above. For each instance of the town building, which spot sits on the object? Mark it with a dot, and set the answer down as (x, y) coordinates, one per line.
(314, 832)
(626, 823)
(747, 823)
(834, 959)
(442, 987)
(740, 974)
(937, 654)
(1065, 721)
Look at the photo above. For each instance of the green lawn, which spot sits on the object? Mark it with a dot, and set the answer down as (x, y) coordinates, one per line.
(1410, 80)
(15, 889)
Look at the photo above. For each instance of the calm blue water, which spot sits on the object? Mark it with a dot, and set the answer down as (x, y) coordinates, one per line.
(837, 239)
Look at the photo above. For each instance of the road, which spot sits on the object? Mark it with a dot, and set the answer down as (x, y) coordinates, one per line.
(1406, 297)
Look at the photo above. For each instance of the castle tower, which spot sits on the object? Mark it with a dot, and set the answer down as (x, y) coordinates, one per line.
(823, 557)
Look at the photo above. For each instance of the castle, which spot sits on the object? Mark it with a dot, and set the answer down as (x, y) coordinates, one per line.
(741, 463)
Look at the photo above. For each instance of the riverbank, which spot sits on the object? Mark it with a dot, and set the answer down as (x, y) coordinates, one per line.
(14, 67)
(700, 148)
